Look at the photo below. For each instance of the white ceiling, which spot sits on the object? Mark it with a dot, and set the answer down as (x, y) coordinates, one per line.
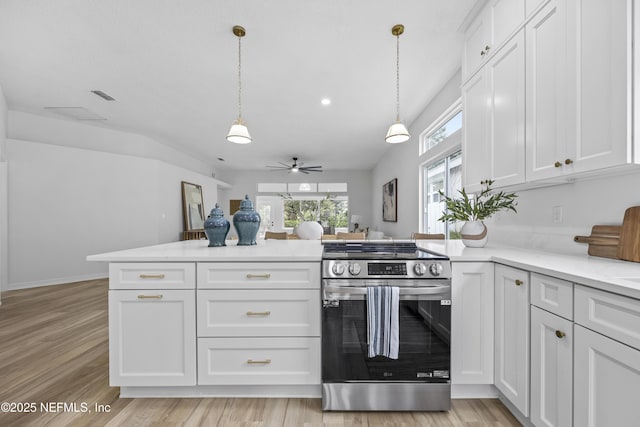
(172, 67)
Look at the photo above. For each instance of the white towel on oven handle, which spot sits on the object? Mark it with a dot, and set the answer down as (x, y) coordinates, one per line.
(383, 328)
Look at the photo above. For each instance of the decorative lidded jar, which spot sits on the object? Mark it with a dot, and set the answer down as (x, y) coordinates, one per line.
(247, 222)
(216, 227)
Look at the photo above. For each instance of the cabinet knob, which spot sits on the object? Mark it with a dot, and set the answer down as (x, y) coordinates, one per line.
(519, 282)
(557, 164)
(568, 161)
(486, 48)
(560, 334)
(483, 53)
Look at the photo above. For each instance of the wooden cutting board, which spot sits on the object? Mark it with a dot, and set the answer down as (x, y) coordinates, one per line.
(629, 247)
(603, 242)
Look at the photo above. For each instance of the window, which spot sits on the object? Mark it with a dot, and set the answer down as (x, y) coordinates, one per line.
(441, 169)
(443, 175)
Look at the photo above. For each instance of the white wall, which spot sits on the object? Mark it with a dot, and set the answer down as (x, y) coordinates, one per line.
(67, 203)
(72, 133)
(402, 161)
(359, 188)
(584, 204)
(4, 277)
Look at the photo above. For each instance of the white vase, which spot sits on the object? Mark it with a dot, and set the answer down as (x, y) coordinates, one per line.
(309, 230)
(474, 234)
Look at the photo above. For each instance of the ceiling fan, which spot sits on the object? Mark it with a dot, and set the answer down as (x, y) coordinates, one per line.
(296, 167)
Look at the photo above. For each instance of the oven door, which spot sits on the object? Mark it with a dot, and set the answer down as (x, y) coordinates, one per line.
(425, 319)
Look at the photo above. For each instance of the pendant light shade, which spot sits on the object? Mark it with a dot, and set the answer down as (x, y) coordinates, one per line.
(397, 132)
(239, 134)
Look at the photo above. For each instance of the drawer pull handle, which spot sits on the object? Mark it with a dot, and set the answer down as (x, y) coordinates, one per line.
(258, 276)
(258, 313)
(519, 282)
(152, 276)
(150, 296)
(259, 362)
(560, 334)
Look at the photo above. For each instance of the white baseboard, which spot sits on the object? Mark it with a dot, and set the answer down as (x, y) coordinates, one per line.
(56, 281)
(291, 391)
(473, 391)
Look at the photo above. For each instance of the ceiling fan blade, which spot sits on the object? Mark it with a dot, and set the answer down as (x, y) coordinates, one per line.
(278, 167)
(313, 167)
(303, 171)
(285, 165)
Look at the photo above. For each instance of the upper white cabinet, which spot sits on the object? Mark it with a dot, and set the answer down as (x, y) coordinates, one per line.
(494, 128)
(577, 73)
(495, 23)
(472, 323)
(512, 335)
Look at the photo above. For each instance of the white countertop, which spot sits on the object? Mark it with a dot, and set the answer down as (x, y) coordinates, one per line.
(622, 277)
(198, 250)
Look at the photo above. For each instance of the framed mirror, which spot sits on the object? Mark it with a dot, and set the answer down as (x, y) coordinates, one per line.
(192, 206)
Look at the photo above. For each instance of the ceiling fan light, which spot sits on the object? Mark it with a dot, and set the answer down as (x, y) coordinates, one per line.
(239, 134)
(294, 169)
(397, 133)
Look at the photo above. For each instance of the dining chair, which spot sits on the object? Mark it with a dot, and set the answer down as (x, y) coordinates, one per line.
(425, 236)
(350, 236)
(275, 235)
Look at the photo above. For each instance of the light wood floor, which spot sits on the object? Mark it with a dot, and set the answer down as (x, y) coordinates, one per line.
(54, 348)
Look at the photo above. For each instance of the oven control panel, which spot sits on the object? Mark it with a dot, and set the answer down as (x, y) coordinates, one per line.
(406, 269)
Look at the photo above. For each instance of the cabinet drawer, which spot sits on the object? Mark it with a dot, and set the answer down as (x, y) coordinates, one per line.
(258, 313)
(612, 315)
(259, 275)
(551, 294)
(250, 361)
(151, 275)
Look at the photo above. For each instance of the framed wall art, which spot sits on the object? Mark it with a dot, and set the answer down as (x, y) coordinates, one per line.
(390, 201)
(192, 206)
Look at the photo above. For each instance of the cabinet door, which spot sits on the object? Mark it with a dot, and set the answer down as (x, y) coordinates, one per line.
(472, 323)
(550, 121)
(606, 381)
(476, 40)
(475, 137)
(507, 116)
(551, 369)
(152, 338)
(604, 83)
(512, 335)
(506, 15)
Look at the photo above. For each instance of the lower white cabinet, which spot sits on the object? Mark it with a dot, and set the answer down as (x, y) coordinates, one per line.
(512, 335)
(152, 337)
(551, 369)
(249, 361)
(472, 323)
(606, 381)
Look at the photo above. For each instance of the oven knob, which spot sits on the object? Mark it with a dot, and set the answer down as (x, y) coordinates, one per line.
(435, 269)
(419, 269)
(338, 269)
(354, 269)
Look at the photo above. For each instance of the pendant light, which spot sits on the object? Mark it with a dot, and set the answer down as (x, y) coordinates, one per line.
(239, 134)
(397, 132)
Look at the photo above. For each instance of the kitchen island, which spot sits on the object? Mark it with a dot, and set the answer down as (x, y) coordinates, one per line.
(189, 320)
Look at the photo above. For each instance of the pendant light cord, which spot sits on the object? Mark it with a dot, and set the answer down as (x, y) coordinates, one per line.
(398, 78)
(239, 79)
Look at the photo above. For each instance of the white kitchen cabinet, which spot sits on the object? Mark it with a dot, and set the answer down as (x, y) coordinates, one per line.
(606, 381)
(472, 301)
(494, 121)
(578, 102)
(152, 337)
(492, 27)
(512, 335)
(551, 369)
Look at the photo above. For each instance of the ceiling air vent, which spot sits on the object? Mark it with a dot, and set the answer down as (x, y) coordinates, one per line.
(103, 95)
(77, 113)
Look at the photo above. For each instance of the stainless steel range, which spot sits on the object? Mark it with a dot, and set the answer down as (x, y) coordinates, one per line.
(418, 379)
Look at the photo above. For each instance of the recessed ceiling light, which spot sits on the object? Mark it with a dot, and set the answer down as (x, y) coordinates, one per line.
(325, 101)
(103, 95)
(221, 159)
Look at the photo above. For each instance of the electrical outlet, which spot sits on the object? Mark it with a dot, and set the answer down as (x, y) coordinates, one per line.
(557, 214)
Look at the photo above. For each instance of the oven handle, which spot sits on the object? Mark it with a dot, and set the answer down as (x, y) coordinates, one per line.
(362, 290)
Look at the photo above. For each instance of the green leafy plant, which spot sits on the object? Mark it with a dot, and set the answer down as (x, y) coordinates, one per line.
(479, 206)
